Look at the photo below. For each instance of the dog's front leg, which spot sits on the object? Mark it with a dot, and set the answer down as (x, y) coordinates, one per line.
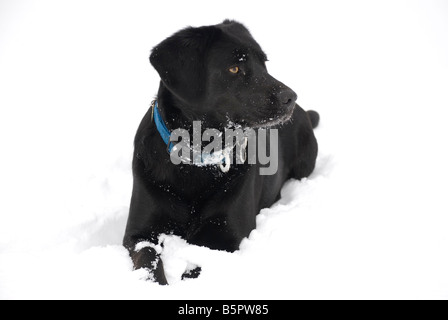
(145, 225)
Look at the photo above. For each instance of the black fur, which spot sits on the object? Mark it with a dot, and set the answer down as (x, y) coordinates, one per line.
(201, 204)
(314, 118)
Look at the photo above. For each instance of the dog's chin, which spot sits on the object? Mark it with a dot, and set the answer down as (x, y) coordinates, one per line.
(272, 122)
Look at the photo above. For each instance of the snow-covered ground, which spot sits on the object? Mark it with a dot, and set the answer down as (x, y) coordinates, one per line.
(371, 222)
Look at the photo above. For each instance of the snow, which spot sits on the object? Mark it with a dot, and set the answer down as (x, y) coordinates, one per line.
(371, 221)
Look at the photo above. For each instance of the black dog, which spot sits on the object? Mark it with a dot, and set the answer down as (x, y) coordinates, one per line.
(215, 74)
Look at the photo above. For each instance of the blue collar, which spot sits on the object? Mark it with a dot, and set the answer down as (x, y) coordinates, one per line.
(222, 160)
(161, 127)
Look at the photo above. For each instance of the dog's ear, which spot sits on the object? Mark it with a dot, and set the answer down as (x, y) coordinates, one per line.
(180, 61)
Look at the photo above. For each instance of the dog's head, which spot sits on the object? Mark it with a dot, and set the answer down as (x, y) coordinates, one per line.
(218, 74)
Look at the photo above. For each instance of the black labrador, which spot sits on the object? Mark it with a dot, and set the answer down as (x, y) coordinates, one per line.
(216, 75)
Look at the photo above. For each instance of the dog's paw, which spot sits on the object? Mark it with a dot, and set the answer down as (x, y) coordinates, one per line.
(148, 259)
(192, 272)
(157, 276)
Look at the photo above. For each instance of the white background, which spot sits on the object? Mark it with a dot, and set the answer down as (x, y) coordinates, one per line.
(371, 222)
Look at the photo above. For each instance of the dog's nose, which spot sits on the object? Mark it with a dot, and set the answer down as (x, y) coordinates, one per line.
(287, 97)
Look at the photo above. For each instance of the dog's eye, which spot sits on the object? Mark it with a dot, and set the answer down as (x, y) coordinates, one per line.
(234, 70)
